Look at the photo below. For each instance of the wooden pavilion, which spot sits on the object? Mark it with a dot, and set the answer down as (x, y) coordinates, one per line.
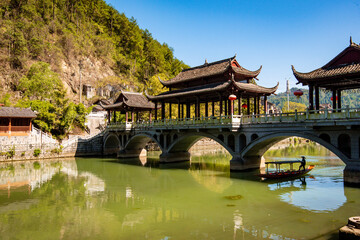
(212, 83)
(341, 73)
(128, 102)
(15, 121)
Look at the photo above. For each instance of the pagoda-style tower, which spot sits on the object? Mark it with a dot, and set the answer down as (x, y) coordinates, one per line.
(341, 73)
(212, 83)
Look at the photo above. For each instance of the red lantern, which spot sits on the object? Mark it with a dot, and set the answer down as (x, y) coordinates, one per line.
(335, 98)
(244, 106)
(232, 97)
(298, 93)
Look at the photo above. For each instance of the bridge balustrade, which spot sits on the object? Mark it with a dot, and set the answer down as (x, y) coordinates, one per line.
(239, 120)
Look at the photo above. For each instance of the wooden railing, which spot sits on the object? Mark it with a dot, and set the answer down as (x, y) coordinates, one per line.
(239, 120)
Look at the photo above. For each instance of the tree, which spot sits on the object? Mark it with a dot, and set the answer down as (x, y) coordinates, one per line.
(41, 83)
(292, 106)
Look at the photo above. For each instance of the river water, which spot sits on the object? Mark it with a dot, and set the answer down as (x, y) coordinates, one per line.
(90, 198)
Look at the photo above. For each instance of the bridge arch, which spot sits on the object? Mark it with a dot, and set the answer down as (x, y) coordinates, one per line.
(259, 146)
(185, 142)
(138, 142)
(112, 144)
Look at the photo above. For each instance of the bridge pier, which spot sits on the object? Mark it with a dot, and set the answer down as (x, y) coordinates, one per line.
(167, 157)
(238, 163)
(352, 174)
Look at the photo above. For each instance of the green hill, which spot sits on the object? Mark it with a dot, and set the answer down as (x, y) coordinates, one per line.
(63, 33)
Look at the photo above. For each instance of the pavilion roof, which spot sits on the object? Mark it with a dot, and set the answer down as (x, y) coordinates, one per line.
(342, 72)
(14, 112)
(129, 101)
(213, 90)
(212, 69)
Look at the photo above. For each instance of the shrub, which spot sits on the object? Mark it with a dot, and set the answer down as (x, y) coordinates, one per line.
(37, 152)
(11, 152)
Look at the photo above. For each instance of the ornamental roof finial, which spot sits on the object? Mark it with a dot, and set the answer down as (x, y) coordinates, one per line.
(351, 42)
(206, 62)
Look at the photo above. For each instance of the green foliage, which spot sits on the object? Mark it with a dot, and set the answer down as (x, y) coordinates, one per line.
(11, 152)
(57, 150)
(41, 83)
(44, 94)
(58, 30)
(37, 152)
(6, 100)
(293, 106)
(23, 154)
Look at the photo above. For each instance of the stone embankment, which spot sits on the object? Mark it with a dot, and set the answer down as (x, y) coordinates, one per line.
(38, 145)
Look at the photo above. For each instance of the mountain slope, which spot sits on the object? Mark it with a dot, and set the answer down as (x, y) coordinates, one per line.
(68, 34)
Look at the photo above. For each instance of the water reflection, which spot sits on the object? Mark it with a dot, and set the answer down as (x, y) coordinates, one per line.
(107, 199)
(321, 195)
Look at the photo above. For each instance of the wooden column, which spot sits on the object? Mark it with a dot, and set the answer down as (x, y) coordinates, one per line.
(197, 108)
(9, 125)
(126, 116)
(188, 110)
(339, 99)
(258, 104)
(206, 108)
(255, 107)
(132, 116)
(221, 106)
(213, 108)
(317, 98)
(137, 116)
(229, 105)
(156, 110)
(170, 112)
(265, 105)
(248, 106)
(334, 99)
(150, 116)
(162, 110)
(182, 111)
(239, 104)
(108, 112)
(311, 97)
(225, 106)
(179, 112)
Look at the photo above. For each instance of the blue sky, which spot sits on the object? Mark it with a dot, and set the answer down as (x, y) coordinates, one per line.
(274, 34)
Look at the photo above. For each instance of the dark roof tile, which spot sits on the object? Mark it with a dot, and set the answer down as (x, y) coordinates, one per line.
(17, 112)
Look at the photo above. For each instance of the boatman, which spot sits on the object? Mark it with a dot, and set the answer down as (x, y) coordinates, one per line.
(303, 163)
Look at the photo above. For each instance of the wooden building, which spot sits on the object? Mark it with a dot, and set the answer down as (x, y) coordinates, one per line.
(341, 73)
(212, 84)
(128, 102)
(15, 121)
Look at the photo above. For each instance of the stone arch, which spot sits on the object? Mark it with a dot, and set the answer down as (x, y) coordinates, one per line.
(325, 137)
(259, 146)
(138, 142)
(221, 137)
(231, 142)
(344, 144)
(254, 136)
(175, 137)
(185, 142)
(112, 144)
(162, 140)
(168, 139)
(242, 141)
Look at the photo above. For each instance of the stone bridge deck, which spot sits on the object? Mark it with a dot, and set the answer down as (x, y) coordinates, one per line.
(245, 137)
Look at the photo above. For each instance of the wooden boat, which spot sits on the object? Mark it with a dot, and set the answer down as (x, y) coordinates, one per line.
(282, 173)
